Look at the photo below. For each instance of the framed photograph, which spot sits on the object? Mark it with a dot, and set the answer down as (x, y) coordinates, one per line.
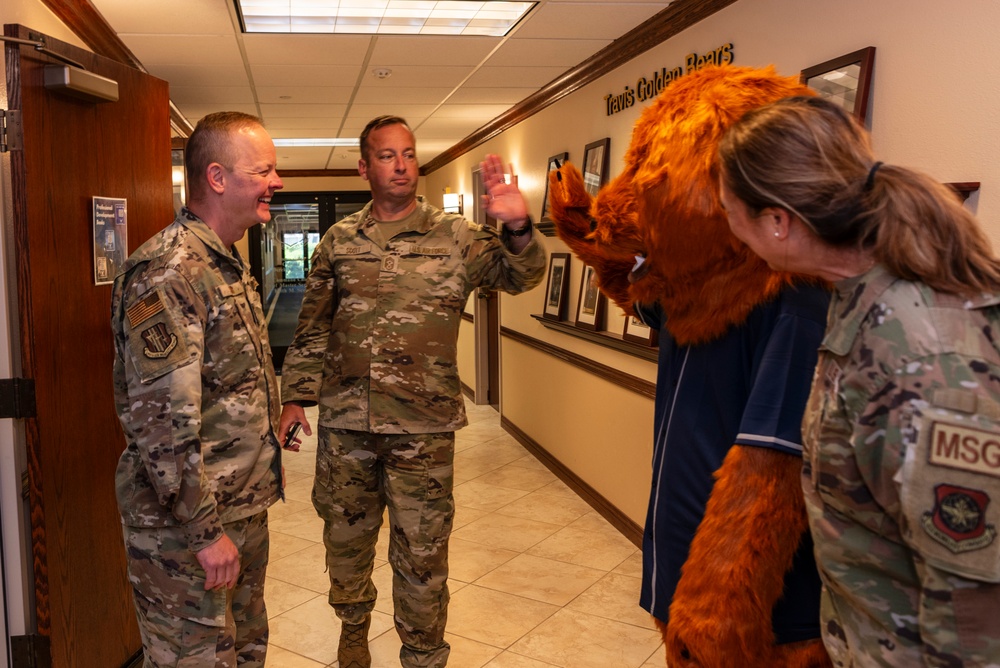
(592, 303)
(595, 165)
(545, 224)
(845, 80)
(639, 332)
(556, 287)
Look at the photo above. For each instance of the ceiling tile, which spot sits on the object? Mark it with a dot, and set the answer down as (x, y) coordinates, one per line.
(407, 76)
(564, 53)
(393, 50)
(576, 20)
(470, 111)
(301, 157)
(373, 94)
(302, 94)
(199, 75)
(182, 95)
(178, 17)
(513, 76)
(204, 50)
(294, 110)
(494, 95)
(448, 87)
(287, 49)
(305, 75)
(194, 112)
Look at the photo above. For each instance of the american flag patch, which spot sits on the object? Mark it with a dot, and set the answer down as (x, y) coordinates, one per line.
(144, 309)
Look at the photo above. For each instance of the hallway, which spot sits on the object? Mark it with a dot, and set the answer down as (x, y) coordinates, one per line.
(538, 579)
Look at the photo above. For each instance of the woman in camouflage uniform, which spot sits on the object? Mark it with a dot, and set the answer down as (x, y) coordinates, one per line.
(902, 429)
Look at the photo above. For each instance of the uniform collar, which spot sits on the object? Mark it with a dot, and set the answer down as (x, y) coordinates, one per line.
(421, 220)
(207, 235)
(852, 300)
(855, 297)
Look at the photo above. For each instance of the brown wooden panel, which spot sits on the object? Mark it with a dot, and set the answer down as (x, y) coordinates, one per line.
(74, 150)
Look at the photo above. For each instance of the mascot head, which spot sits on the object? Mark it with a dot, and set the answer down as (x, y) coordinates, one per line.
(665, 206)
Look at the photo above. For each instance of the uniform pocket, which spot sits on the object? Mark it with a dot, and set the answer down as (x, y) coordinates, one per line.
(439, 504)
(166, 573)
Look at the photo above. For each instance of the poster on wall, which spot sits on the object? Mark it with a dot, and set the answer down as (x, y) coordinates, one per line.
(110, 238)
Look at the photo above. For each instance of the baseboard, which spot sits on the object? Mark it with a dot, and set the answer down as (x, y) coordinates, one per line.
(608, 511)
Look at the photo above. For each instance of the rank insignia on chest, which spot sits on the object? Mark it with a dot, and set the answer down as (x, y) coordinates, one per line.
(159, 341)
(958, 520)
(390, 264)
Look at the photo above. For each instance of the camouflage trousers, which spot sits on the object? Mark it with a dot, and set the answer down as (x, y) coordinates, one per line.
(181, 624)
(358, 475)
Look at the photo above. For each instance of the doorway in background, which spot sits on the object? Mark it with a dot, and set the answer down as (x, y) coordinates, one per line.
(281, 252)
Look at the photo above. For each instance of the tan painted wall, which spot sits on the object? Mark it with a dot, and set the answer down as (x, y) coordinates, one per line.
(935, 106)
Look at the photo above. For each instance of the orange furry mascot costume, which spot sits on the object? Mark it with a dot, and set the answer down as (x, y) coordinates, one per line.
(728, 570)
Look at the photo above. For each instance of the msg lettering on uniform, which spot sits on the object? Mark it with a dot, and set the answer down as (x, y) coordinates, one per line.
(963, 448)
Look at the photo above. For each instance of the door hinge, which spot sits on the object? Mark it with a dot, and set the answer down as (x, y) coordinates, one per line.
(17, 398)
(31, 651)
(11, 130)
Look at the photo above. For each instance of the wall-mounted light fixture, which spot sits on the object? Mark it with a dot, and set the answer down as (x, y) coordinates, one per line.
(452, 202)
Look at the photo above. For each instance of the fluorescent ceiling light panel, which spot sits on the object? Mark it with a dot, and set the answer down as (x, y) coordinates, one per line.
(317, 141)
(431, 17)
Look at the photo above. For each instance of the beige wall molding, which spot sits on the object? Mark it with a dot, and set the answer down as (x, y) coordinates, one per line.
(610, 374)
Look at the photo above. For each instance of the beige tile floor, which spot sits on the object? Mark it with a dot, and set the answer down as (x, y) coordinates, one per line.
(538, 579)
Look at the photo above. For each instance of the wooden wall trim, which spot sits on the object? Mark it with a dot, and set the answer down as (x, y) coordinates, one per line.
(610, 374)
(90, 26)
(679, 16)
(608, 510)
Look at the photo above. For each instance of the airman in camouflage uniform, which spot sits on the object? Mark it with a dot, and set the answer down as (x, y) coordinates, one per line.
(196, 393)
(902, 467)
(376, 348)
(901, 431)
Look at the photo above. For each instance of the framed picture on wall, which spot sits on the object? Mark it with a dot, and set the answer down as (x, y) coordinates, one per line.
(545, 224)
(592, 303)
(638, 332)
(595, 165)
(556, 287)
(845, 80)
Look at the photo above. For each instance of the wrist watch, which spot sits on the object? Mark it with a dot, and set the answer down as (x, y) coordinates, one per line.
(521, 231)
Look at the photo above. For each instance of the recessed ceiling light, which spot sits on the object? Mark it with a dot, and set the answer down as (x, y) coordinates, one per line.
(384, 17)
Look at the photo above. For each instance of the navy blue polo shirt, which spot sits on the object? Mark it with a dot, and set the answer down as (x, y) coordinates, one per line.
(748, 387)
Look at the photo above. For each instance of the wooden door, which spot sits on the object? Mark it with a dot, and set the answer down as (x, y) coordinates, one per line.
(74, 150)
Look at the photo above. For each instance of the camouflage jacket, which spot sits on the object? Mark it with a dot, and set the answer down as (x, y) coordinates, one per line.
(902, 461)
(379, 321)
(194, 386)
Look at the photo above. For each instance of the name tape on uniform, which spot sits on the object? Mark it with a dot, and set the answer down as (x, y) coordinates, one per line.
(974, 450)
